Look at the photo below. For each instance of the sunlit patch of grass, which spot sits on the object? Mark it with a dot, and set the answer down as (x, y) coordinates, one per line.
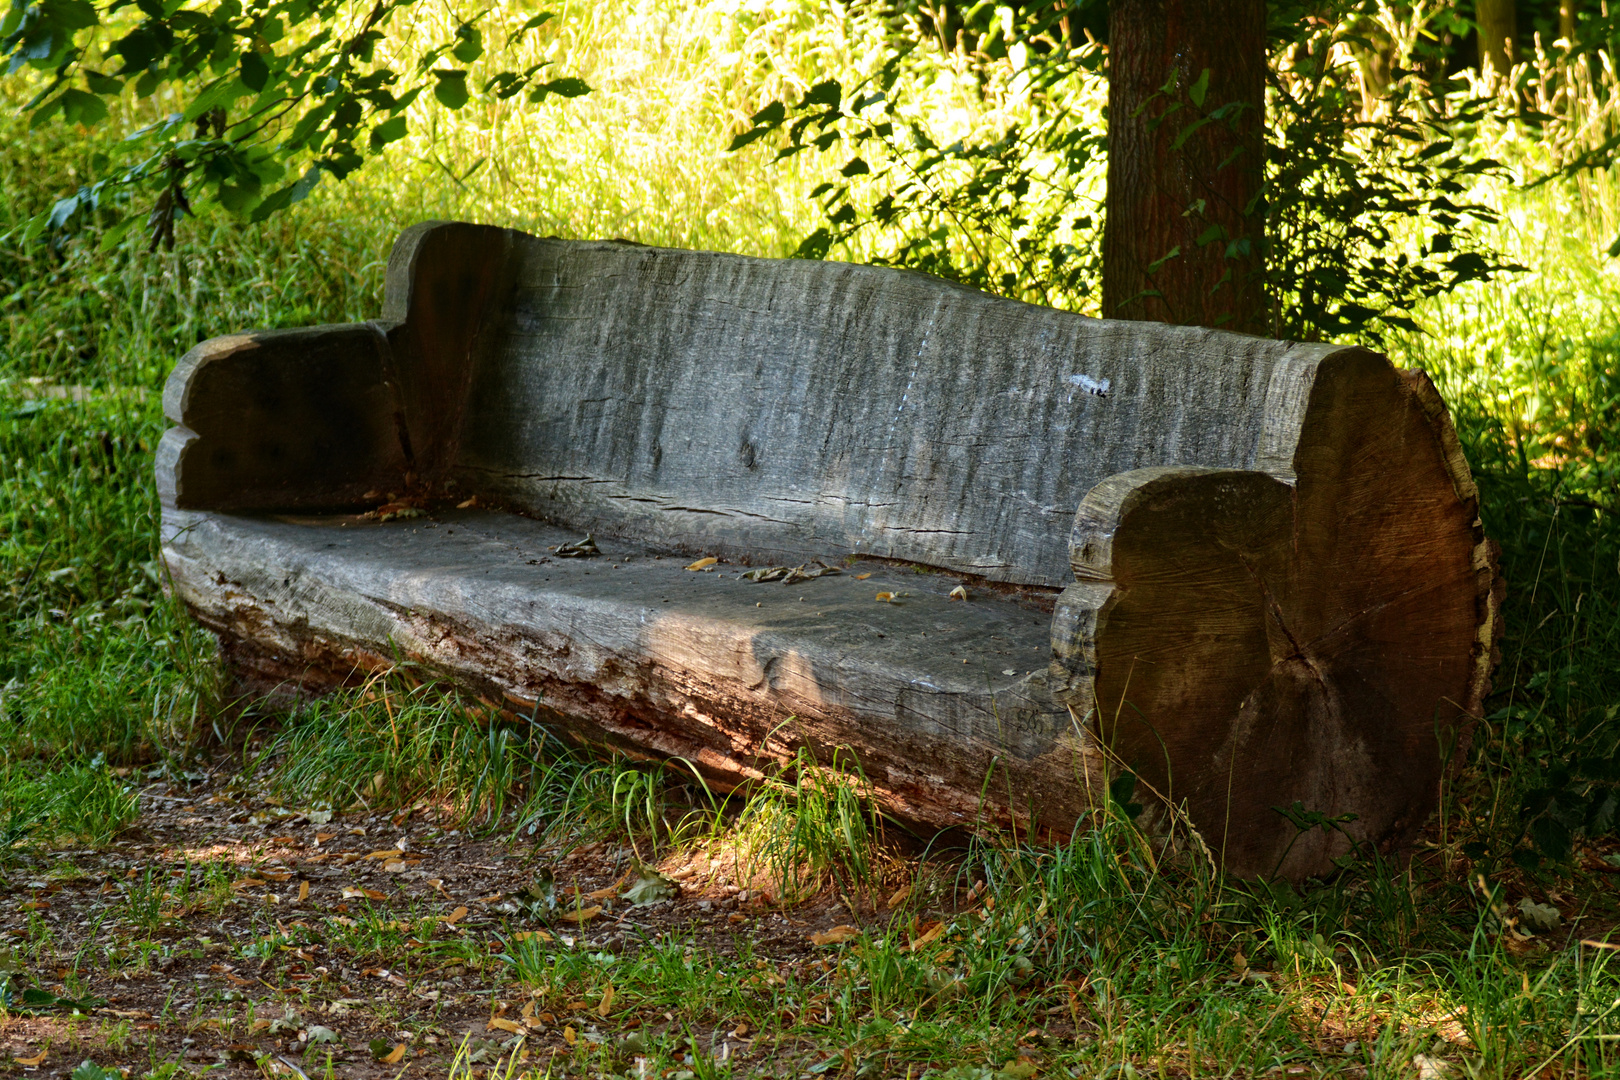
(813, 826)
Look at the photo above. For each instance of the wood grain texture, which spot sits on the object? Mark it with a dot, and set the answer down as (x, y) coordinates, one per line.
(1244, 643)
(779, 410)
(281, 418)
(1275, 586)
(655, 659)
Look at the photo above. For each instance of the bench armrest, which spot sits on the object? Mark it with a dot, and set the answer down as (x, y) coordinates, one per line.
(283, 420)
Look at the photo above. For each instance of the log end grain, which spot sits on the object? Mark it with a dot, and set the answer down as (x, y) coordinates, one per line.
(1318, 644)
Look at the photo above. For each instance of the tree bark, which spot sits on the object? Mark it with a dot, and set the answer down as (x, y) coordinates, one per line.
(1498, 29)
(1183, 239)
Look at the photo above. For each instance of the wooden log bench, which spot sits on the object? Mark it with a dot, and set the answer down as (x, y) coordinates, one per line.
(1251, 571)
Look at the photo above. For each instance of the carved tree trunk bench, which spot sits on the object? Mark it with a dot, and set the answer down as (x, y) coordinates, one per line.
(1251, 571)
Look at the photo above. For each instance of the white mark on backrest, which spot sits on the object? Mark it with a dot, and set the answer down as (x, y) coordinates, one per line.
(1090, 385)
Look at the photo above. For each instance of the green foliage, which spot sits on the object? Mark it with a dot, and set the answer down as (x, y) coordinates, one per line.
(813, 825)
(1010, 210)
(258, 102)
(1365, 216)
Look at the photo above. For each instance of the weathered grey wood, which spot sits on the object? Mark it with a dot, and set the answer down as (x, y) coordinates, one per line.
(1276, 580)
(704, 666)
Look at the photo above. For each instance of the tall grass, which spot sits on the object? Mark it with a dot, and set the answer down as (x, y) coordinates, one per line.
(1150, 961)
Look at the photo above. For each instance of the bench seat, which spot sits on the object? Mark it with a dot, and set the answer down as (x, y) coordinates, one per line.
(632, 635)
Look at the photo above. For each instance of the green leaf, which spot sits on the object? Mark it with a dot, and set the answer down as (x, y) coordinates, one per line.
(294, 192)
(102, 84)
(62, 211)
(450, 88)
(1200, 89)
(827, 93)
(651, 887)
(469, 44)
(815, 246)
(388, 131)
(747, 137)
(770, 116)
(856, 167)
(79, 107)
(70, 14)
(567, 87)
(14, 18)
(255, 72)
(538, 20)
(139, 48)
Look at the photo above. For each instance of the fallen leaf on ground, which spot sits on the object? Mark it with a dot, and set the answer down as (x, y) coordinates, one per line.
(583, 915)
(303, 891)
(863, 577)
(393, 1057)
(607, 1002)
(930, 933)
(247, 883)
(837, 935)
(650, 888)
(602, 894)
(885, 597)
(901, 895)
(455, 916)
(568, 1036)
(319, 1034)
(390, 853)
(32, 1061)
(959, 593)
(496, 1023)
(703, 564)
(525, 935)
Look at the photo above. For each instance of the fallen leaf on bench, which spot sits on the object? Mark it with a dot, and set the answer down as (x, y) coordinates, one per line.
(799, 573)
(703, 564)
(836, 936)
(579, 549)
(959, 593)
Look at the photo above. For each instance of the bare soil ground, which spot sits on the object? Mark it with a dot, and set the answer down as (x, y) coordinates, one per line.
(229, 933)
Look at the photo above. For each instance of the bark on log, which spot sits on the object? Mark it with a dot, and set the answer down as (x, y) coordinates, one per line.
(1182, 240)
(1277, 586)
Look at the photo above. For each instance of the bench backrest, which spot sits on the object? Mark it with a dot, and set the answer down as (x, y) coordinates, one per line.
(781, 410)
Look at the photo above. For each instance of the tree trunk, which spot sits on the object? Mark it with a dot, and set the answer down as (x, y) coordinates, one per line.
(1186, 101)
(1498, 29)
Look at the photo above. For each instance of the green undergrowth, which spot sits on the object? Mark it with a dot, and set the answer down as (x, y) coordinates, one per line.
(1111, 955)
